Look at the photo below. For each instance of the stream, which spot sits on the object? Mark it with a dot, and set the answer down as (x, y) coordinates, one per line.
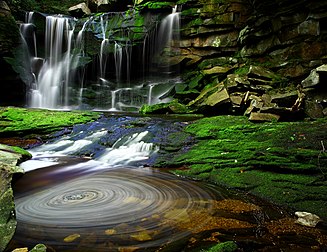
(94, 189)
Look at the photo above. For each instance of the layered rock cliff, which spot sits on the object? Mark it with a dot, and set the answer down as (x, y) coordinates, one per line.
(235, 56)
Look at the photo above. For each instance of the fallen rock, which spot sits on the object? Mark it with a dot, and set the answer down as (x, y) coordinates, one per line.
(211, 98)
(313, 109)
(79, 10)
(285, 100)
(307, 219)
(263, 117)
(312, 80)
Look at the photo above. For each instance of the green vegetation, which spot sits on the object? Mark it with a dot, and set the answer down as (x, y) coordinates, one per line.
(9, 34)
(21, 121)
(228, 246)
(283, 162)
(172, 107)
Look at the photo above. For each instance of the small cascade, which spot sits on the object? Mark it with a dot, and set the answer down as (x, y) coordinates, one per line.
(126, 150)
(168, 35)
(52, 85)
(27, 30)
(118, 55)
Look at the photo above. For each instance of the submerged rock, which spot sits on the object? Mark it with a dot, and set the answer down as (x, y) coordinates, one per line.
(307, 219)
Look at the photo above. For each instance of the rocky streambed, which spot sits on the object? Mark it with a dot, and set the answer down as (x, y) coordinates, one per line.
(254, 176)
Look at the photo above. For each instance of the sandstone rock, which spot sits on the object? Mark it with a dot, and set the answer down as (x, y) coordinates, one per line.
(285, 100)
(312, 80)
(212, 97)
(4, 8)
(324, 111)
(307, 219)
(261, 73)
(322, 69)
(217, 70)
(9, 158)
(79, 10)
(236, 99)
(234, 80)
(218, 97)
(313, 109)
(255, 105)
(309, 27)
(261, 117)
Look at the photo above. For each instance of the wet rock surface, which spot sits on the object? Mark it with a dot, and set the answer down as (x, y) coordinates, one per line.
(10, 157)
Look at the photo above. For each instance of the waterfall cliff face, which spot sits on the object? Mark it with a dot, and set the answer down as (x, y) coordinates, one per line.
(96, 63)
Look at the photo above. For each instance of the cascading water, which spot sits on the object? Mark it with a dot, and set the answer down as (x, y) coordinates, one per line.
(168, 35)
(52, 85)
(64, 81)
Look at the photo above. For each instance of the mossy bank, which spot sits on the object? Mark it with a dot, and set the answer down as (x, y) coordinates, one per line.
(24, 122)
(284, 162)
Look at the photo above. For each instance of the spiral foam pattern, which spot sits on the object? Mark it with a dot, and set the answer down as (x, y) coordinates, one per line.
(106, 200)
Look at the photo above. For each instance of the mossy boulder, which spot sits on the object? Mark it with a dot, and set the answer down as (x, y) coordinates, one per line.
(284, 162)
(23, 122)
(173, 107)
(228, 246)
(10, 157)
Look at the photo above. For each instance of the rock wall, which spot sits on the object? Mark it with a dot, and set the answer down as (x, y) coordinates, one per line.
(12, 87)
(254, 49)
(9, 158)
(243, 52)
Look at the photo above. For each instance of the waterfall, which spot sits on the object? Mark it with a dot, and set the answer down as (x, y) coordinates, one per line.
(118, 55)
(168, 35)
(52, 85)
(62, 71)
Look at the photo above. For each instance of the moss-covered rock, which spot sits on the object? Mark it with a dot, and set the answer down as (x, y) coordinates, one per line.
(173, 107)
(22, 122)
(283, 162)
(228, 246)
(9, 159)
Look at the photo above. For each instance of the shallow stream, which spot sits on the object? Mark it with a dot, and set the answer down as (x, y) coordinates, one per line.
(93, 189)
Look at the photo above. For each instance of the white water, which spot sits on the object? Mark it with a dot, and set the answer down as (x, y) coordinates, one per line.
(123, 152)
(59, 75)
(168, 35)
(52, 84)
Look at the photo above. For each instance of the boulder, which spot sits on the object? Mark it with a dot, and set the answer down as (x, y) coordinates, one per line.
(315, 76)
(79, 10)
(9, 159)
(4, 8)
(313, 109)
(312, 80)
(212, 99)
(263, 117)
(286, 99)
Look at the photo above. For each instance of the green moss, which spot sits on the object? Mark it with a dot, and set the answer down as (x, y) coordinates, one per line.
(242, 70)
(283, 162)
(24, 153)
(39, 248)
(9, 34)
(20, 121)
(228, 246)
(172, 107)
(190, 12)
(7, 219)
(158, 5)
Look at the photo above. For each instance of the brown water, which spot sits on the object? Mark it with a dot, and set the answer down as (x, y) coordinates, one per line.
(142, 209)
